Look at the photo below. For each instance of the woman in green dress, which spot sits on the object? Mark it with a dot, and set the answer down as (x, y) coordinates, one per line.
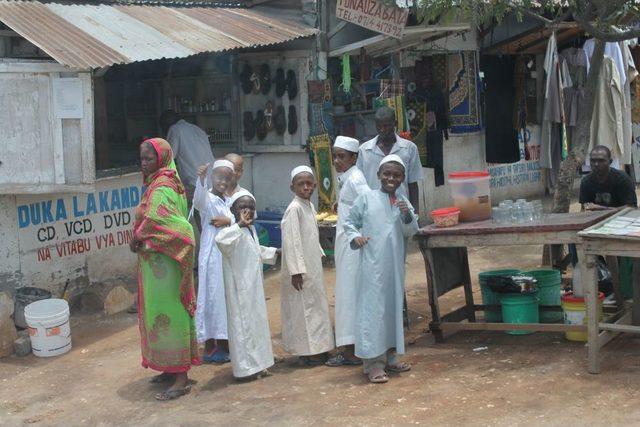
(164, 241)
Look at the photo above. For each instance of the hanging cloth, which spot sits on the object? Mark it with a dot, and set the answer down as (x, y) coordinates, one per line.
(346, 73)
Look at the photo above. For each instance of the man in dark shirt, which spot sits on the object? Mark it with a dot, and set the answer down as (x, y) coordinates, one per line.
(605, 188)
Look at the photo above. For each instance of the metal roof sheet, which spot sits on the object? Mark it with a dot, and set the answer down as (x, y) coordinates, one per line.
(93, 36)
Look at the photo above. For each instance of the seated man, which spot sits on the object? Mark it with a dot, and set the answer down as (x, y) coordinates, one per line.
(608, 188)
(605, 188)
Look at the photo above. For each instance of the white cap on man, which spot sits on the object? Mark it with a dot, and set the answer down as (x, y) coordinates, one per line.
(391, 158)
(223, 163)
(347, 143)
(300, 169)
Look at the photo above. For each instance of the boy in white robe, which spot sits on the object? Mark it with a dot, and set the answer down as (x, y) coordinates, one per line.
(242, 259)
(211, 312)
(306, 324)
(378, 224)
(351, 183)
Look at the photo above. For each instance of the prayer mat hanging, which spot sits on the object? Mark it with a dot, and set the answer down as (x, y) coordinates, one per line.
(463, 85)
(323, 162)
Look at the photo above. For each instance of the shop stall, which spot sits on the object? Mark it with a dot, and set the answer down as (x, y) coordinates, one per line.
(446, 248)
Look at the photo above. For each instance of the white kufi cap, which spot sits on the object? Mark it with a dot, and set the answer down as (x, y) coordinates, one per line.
(347, 143)
(391, 158)
(238, 194)
(300, 169)
(223, 163)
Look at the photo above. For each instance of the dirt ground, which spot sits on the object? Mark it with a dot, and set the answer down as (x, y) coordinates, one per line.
(540, 379)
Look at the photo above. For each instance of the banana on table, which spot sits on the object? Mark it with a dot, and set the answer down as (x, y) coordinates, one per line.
(326, 217)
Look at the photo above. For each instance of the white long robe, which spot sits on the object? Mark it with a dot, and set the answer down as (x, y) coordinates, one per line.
(352, 183)
(306, 324)
(249, 334)
(211, 311)
(380, 298)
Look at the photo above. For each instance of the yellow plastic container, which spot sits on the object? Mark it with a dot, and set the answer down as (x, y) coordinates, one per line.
(575, 313)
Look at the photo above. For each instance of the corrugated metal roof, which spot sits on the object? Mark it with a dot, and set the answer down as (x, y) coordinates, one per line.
(93, 36)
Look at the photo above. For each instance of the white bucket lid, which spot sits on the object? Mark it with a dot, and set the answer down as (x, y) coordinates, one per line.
(46, 308)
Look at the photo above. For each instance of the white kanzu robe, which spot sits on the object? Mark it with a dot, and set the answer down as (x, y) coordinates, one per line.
(351, 183)
(211, 311)
(379, 323)
(249, 334)
(306, 324)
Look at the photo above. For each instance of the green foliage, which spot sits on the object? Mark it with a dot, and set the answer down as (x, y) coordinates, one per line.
(483, 12)
(603, 13)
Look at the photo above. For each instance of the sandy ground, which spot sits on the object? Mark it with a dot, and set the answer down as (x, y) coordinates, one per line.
(539, 379)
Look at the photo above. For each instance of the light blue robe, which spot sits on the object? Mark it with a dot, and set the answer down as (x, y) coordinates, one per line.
(380, 297)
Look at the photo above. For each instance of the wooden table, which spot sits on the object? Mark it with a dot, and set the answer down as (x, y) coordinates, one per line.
(447, 266)
(601, 332)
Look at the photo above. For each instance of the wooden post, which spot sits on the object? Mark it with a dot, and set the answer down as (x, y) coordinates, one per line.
(100, 123)
(432, 290)
(635, 317)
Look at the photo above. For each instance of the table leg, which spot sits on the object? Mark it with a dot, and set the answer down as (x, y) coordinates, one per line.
(468, 290)
(636, 292)
(590, 285)
(434, 325)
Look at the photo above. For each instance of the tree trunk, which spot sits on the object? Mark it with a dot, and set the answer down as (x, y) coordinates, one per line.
(578, 152)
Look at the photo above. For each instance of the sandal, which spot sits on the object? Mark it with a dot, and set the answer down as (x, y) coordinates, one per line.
(173, 394)
(218, 356)
(378, 376)
(164, 377)
(340, 360)
(398, 367)
(308, 361)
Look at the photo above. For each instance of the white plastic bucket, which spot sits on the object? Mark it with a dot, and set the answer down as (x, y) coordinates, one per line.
(49, 330)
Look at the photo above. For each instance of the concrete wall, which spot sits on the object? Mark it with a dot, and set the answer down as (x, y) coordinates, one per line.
(82, 238)
(462, 152)
(523, 179)
(271, 179)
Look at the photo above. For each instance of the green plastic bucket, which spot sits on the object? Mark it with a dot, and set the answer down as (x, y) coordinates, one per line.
(549, 292)
(488, 296)
(519, 308)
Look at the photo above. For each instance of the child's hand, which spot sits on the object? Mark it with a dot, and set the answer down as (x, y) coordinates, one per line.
(246, 218)
(296, 282)
(403, 206)
(220, 221)
(361, 241)
(202, 170)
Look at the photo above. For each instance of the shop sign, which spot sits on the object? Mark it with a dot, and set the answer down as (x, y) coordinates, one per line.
(51, 227)
(527, 170)
(374, 15)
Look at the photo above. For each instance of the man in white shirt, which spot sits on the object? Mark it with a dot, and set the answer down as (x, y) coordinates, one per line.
(388, 142)
(190, 146)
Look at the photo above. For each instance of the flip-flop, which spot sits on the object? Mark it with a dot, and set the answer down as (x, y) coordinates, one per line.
(398, 367)
(281, 83)
(340, 360)
(218, 356)
(173, 394)
(378, 376)
(292, 84)
(164, 377)
(307, 361)
(293, 120)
